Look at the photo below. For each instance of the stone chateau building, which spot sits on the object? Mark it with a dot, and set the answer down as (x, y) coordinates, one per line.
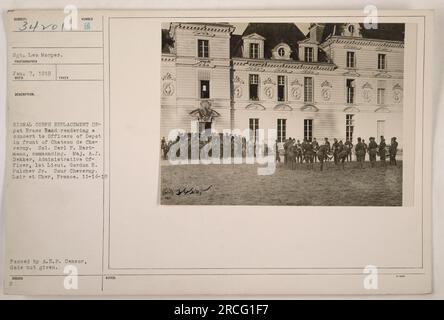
(339, 80)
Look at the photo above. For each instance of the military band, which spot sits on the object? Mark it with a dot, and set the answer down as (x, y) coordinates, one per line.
(311, 151)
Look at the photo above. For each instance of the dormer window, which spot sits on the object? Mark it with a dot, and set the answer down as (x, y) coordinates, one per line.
(281, 51)
(254, 50)
(253, 46)
(351, 29)
(309, 54)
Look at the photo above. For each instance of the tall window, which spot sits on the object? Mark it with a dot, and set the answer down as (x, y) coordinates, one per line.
(308, 89)
(308, 53)
(380, 129)
(381, 96)
(254, 87)
(254, 126)
(281, 88)
(281, 129)
(308, 129)
(351, 59)
(349, 126)
(254, 50)
(202, 48)
(204, 89)
(382, 61)
(350, 84)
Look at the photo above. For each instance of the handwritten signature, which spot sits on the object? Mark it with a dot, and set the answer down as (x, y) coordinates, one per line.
(186, 191)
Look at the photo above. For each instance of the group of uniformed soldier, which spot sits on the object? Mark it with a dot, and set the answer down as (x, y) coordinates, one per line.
(311, 151)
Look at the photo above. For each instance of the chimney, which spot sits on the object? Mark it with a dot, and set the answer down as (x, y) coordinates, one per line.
(316, 30)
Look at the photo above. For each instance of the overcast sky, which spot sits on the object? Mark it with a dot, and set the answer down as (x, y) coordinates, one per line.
(240, 27)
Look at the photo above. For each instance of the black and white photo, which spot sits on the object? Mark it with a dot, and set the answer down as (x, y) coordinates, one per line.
(303, 114)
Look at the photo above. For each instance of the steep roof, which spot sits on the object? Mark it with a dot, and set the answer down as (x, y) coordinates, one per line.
(289, 33)
(236, 45)
(385, 31)
(275, 33)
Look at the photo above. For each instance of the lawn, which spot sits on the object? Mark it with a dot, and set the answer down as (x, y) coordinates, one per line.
(239, 184)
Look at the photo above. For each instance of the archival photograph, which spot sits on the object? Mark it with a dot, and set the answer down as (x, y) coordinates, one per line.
(281, 114)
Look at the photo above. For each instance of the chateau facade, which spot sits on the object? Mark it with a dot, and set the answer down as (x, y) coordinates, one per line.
(338, 80)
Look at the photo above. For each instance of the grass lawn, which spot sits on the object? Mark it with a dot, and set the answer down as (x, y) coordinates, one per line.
(239, 184)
